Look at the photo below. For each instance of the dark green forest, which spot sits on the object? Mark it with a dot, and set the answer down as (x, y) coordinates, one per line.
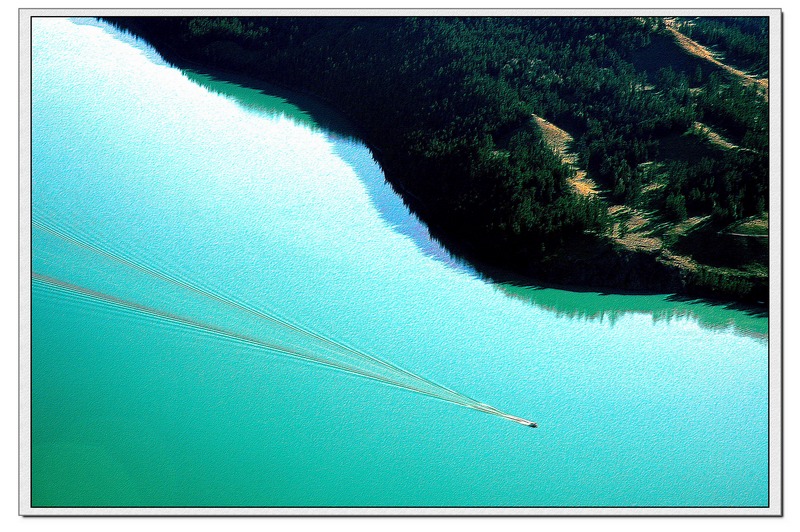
(447, 105)
(742, 41)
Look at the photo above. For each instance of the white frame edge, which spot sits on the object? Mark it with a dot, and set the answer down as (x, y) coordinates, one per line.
(775, 507)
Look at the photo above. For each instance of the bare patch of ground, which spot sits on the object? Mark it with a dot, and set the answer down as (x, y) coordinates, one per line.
(754, 227)
(560, 142)
(713, 137)
(681, 261)
(652, 187)
(687, 225)
(633, 230)
(698, 50)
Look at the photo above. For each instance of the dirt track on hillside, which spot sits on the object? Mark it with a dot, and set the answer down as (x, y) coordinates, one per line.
(698, 50)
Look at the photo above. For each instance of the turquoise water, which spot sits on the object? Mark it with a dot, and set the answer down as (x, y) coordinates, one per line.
(640, 400)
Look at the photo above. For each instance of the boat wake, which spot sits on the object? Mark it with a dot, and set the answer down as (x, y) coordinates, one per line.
(318, 348)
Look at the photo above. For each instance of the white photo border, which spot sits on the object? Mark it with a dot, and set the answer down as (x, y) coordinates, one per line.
(775, 371)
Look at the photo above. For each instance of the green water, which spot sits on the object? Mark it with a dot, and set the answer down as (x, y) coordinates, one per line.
(640, 400)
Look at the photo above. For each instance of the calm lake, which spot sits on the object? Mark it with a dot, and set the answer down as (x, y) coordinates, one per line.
(640, 400)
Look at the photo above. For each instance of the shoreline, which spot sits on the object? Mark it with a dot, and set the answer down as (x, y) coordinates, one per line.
(607, 268)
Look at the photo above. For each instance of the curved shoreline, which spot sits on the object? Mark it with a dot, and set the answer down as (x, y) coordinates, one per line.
(595, 265)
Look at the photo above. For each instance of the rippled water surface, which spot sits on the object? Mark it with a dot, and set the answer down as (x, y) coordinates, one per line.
(239, 194)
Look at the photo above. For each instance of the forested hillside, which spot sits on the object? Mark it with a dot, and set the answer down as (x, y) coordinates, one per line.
(676, 147)
(742, 42)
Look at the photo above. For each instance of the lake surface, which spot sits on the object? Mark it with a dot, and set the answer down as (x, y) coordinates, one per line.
(148, 180)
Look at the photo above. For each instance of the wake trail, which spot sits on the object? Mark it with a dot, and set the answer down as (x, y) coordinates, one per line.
(239, 305)
(94, 296)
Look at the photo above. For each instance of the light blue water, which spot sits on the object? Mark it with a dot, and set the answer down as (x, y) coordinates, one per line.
(641, 401)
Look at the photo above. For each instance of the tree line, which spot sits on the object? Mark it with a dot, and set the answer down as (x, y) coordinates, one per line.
(447, 103)
(744, 41)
